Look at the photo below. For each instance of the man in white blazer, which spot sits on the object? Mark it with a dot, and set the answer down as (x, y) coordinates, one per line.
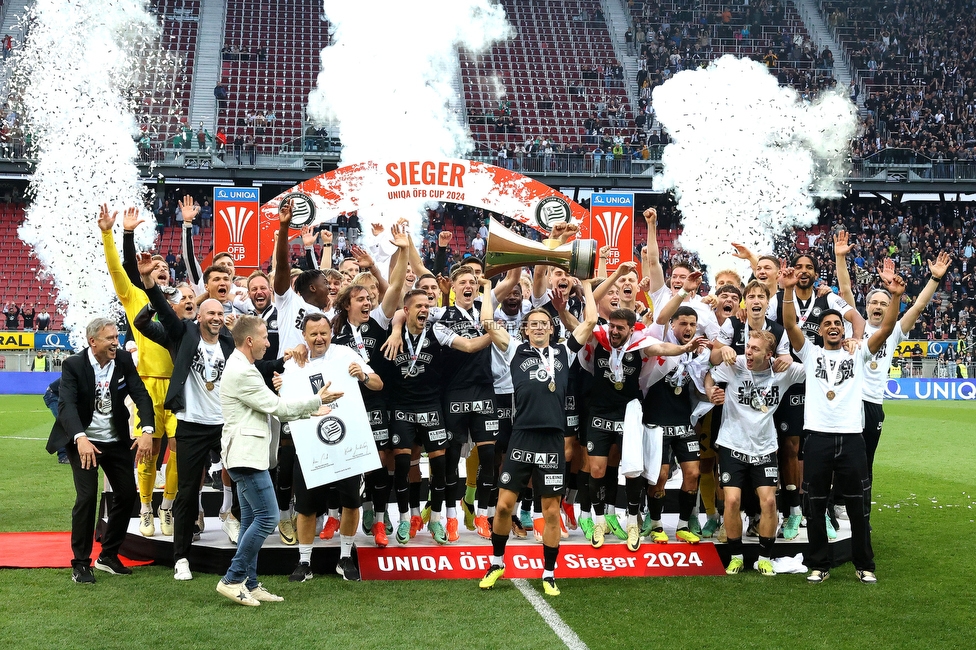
(248, 450)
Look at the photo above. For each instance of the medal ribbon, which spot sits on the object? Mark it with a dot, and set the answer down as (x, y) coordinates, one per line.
(413, 353)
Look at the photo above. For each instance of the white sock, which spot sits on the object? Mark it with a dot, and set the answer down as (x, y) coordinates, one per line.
(228, 499)
(611, 510)
(656, 523)
(345, 545)
(404, 516)
(491, 511)
(586, 515)
(796, 510)
(284, 515)
(367, 505)
(200, 501)
(414, 512)
(334, 513)
(601, 519)
(738, 556)
(452, 512)
(498, 560)
(481, 512)
(305, 553)
(631, 519)
(146, 507)
(167, 504)
(763, 557)
(682, 524)
(571, 496)
(547, 574)
(713, 516)
(435, 515)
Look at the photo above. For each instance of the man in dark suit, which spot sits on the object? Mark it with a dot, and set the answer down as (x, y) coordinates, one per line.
(93, 425)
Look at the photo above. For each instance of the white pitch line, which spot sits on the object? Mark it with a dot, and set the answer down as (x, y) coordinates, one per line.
(19, 438)
(549, 615)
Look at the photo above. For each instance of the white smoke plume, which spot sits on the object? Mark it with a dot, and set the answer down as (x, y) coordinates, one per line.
(748, 156)
(74, 80)
(387, 77)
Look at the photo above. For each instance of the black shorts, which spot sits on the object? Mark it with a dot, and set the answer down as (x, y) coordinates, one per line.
(503, 408)
(572, 417)
(314, 501)
(682, 442)
(789, 416)
(424, 427)
(471, 412)
(537, 454)
(746, 472)
(602, 433)
(379, 422)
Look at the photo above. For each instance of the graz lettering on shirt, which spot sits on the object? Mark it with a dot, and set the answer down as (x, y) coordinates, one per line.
(846, 370)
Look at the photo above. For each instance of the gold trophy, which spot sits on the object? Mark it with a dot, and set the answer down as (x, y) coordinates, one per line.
(505, 251)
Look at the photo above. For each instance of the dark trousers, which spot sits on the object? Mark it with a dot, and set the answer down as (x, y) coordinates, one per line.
(840, 457)
(194, 443)
(116, 461)
(873, 422)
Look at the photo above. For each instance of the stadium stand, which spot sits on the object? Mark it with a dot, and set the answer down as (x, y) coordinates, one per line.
(18, 273)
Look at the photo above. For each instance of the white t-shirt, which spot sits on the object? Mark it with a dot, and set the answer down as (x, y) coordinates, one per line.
(876, 378)
(292, 310)
(746, 429)
(202, 405)
(845, 412)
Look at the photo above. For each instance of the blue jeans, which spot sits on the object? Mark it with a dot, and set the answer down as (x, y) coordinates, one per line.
(259, 516)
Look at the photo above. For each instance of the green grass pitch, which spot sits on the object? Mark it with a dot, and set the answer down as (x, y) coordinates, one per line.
(924, 540)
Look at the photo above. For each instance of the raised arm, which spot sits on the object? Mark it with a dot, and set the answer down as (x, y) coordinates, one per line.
(622, 270)
(654, 270)
(937, 270)
(366, 263)
(744, 253)
(440, 256)
(120, 281)
(896, 286)
(841, 249)
(169, 323)
(793, 331)
(690, 286)
(282, 263)
(398, 274)
(506, 285)
(539, 275)
(498, 334)
(193, 271)
(130, 221)
(584, 330)
(413, 255)
(308, 243)
(326, 262)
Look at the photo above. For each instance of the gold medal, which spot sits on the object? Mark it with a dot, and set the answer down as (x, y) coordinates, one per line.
(831, 394)
(764, 408)
(619, 385)
(210, 385)
(677, 390)
(874, 365)
(552, 386)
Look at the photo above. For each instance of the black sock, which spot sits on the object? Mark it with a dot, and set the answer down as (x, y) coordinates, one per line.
(380, 491)
(451, 460)
(598, 495)
(610, 487)
(583, 492)
(415, 493)
(686, 503)
(283, 476)
(498, 543)
(401, 482)
(549, 555)
(333, 499)
(527, 499)
(735, 546)
(656, 505)
(635, 488)
(766, 546)
(537, 502)
(486, 475)
(438, 470)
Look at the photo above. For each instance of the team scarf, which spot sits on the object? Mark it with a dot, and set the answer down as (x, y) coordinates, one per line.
(639, 339)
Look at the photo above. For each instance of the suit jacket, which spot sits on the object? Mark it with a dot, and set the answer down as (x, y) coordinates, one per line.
(76, 403)
(182, 338)
(246, 440)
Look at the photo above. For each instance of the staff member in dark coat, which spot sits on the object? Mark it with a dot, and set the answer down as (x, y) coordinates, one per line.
(93, 426)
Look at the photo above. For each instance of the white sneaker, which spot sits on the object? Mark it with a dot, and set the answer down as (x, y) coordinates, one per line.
(181, 571)
(231, 527)
(146, 525)
(165, 521)
(841, 512)
(160, 481)
(261, 594)
(238, 593)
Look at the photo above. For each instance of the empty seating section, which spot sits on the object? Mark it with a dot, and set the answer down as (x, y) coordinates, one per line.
(166, 103)
(291, 35)
(559, 44)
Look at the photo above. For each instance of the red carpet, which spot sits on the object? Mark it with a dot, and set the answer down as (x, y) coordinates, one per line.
(43, 551)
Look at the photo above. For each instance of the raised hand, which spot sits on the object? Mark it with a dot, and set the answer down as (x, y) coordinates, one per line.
(692, 282)
(887, 270)
(741, 252)
(327, 396)
(444, 238)
(627, 267)
(650, 216)
(326, 237)
(145, 263)
(897, 286)
(284, 212)
(308, 236)
(444, 284)
(400, 238)
(131, 220)
(841, 244)
(376, 229)
(188, 209)
(939, 267)
(106, 221)
(604, 252)
(362, 257)
(787, 277)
